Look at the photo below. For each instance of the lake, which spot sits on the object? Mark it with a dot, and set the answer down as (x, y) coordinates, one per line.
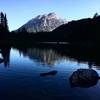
(35, 73)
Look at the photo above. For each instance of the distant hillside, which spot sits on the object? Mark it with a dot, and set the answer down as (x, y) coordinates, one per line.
(84, 30)
(42, 23)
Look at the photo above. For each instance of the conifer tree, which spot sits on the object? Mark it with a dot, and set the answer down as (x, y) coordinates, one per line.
(2, 18)
(3, 23)
(6, 23)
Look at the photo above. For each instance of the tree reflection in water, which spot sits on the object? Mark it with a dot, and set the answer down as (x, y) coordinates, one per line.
(5, 53)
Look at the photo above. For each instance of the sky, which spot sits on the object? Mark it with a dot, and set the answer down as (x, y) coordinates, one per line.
(20, 11)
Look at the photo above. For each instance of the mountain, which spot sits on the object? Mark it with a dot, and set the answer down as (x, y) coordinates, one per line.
(84, 31)
(42, 23)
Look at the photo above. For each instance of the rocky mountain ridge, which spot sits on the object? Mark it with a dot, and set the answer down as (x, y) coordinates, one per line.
(42, 23)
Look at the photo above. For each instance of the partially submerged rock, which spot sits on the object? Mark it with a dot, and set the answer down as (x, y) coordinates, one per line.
(84, 78)
(52, 73)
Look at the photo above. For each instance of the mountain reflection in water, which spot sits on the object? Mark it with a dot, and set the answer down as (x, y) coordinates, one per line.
(44, 56)
(50, 55)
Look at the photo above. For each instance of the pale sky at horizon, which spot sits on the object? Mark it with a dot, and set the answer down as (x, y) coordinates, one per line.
(21, 11)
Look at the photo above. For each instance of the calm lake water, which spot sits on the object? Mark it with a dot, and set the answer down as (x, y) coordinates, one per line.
(42, 74)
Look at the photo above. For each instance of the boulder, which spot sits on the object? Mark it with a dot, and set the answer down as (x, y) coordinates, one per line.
(84, 78)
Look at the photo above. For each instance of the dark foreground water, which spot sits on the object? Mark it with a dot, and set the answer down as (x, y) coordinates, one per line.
(44, 74)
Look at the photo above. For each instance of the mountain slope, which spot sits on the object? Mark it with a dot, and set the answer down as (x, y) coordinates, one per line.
(43, 23)
(84, 30)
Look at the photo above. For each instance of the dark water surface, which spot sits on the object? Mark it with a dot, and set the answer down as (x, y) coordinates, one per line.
(44, 74)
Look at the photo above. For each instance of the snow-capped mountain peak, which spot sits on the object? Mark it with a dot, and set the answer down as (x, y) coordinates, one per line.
(43, 23)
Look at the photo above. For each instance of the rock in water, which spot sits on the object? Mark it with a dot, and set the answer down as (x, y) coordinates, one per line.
(84, 78)
(52, 73)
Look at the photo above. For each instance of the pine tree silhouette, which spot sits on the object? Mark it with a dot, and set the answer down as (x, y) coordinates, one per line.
(3, 23)
(6, 23)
